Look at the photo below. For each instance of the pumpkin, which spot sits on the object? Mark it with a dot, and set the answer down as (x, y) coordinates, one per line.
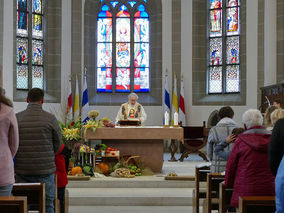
(76, 170)
(104, 168)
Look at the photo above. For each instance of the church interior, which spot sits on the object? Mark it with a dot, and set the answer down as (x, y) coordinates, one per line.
(163, 94)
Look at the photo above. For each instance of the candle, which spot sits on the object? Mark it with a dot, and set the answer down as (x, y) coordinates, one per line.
(167, 119)
(175, 119)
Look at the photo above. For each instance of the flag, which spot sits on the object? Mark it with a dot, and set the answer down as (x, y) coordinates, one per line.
(69, 104)
(181, 115)
(85, 101)
(175, 99)
(76, 110)
(167, 103)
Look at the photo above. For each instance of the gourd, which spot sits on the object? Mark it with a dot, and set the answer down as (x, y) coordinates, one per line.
(104, 168)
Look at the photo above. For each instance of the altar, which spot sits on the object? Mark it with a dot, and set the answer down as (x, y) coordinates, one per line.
(146, 142)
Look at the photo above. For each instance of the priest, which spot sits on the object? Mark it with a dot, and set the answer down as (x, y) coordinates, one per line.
(131, 110)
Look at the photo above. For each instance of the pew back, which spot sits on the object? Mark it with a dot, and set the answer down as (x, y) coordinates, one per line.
(13, 204)
(260, 204)
(201, 172)
(225, 197)
(213, 181)
(35, 193)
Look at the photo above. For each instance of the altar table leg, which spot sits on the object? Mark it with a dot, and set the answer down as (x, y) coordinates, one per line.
(173, 149)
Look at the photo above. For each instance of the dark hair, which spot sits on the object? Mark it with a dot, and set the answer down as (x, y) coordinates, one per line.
(278, 101)
(4, 99)
(238, 131)
(226, 111)
(35, 95)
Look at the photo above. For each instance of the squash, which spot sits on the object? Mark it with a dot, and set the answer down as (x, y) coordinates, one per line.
(76, 170)
(104, 168)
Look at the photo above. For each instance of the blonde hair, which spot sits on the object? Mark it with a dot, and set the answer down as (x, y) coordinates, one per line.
(276, 115)
(267, 116)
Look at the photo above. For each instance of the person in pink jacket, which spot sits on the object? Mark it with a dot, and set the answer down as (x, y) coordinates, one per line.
(247, 170)
(9, 142)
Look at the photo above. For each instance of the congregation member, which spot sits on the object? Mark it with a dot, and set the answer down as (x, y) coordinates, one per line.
(218, 134)
(131, 110)
(9, 144)
(62, 163)
(40, 140)
(267, 117)
(276, 115)
(276, 160)
(247, 169)
(277, 103)
(220, 149)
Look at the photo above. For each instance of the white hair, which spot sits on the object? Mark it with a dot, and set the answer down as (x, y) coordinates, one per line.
(252, 117)
(133, 95)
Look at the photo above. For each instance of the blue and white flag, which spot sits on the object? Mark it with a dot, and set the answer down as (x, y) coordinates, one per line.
(85, 101)
(167, 103)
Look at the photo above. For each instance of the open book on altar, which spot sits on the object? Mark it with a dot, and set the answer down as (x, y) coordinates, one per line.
(130, 122)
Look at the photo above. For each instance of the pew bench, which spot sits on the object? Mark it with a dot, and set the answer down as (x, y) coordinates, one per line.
(225, 196)
(259, 204)
(13, 204)
(201, 172)
(212, 193)
(35, 193)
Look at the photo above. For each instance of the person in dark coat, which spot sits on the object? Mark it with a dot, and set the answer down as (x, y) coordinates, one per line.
(247, 170)
(62, 164)
(276, 146)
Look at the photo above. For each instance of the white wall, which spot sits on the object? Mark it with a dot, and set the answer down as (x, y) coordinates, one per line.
(195, 114)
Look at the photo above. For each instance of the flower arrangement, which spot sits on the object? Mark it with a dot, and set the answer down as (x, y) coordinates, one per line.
(73, 134)
(91, 124)
(71, 131)
(93, 114)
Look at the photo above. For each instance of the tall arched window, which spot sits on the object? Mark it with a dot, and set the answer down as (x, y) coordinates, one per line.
(123, 46)
(29, 44)
(223, 46)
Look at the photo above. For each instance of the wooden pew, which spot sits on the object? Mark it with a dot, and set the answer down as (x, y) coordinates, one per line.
(225, 196)
(259, 204)
(13, 204)
(201, 172)
(35, 193)
(212, 193)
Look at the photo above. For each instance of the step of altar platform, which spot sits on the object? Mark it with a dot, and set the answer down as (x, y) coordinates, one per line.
(130, 196)
(136, 209)
(137, 182)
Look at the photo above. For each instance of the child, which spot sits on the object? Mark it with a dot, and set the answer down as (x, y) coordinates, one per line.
(62, 163)
(220, 149)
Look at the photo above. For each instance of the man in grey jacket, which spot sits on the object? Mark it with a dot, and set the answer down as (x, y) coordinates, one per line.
(217, 135)
(40, 140)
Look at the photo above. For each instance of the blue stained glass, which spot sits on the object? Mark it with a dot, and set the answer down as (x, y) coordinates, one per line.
(105, 12)
(141, 8)
(123, 7)
(145, 1)
(132, 3)
(37, 6)
(123, 55)
(141, 12)
(37, 52)
(104, 54)
(141, 80)
(104, 80)
(22, 26)
(22, 5)
(114, 3)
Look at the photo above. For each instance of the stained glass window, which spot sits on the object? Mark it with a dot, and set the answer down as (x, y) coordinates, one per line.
(224, 46)
(30, 44)
(123, 57)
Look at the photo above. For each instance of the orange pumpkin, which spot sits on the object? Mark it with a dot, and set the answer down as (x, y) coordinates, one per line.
(104, 168)
(76, 170)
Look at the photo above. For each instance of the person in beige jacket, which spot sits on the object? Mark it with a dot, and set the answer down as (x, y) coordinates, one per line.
(9, 142)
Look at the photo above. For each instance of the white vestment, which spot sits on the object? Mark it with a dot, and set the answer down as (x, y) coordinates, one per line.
(131, 112)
